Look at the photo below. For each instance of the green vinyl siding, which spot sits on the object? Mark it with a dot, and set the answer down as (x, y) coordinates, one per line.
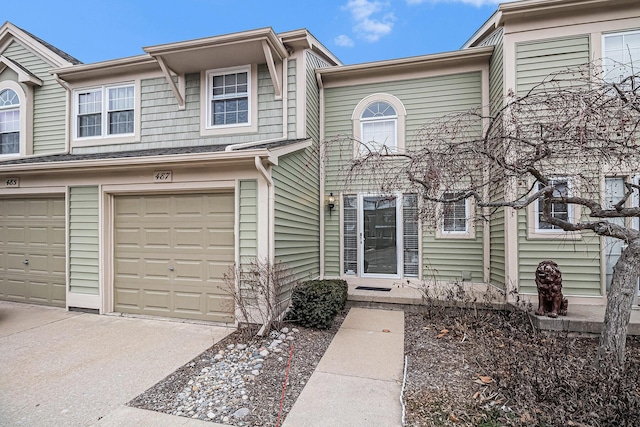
(49, 101)
(248, 221)
(578, 260)
(424, 99)
(536, 60)
(449, 259)
(292, 99)
(297, 222)
(163, 125)
(496, 72)
(83, 240)
(313, 96)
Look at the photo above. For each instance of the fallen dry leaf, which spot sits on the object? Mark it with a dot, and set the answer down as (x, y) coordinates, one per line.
(386, 330)
(485, 379)
(476, 394)
(453, 418)
(443, 333)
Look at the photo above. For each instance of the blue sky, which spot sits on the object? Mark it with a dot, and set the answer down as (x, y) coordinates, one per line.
(354, 30)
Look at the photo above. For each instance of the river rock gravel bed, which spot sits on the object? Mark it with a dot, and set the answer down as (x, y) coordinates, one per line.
(239, 380)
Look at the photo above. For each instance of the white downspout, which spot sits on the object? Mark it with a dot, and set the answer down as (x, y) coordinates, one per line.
(67, 135)
(322, 172)
(270, 204)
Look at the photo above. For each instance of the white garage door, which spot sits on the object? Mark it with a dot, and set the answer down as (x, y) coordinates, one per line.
(171, 254)
(32, 250)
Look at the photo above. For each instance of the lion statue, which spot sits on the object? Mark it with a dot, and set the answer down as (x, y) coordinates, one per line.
(549, 284)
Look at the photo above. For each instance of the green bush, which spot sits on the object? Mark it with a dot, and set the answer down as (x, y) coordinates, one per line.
(315, 303)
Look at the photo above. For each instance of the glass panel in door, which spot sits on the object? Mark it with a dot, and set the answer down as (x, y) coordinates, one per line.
(379, 235)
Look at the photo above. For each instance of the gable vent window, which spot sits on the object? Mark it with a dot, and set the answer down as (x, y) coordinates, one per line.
(9, 122)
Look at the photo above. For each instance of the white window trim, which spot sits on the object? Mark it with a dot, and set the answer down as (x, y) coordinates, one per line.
(574, 212)
(356, 118)
(104, 138)
(206, 128)
(26, 118)
(469, 233)
(604, 53)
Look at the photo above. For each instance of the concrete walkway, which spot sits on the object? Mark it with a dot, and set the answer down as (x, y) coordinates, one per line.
(359, 379)
(60, 368)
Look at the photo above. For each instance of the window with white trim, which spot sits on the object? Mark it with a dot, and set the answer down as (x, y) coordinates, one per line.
(379, 122)
(560, 210)
(9, 122)
(105, 111)
(455, 215)
(621, 55)
(228, 97)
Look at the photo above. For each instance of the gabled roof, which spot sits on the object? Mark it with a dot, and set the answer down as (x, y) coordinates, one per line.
(48, 52)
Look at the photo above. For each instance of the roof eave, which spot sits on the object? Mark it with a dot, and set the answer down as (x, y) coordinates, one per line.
(431, 61)
(135, 162)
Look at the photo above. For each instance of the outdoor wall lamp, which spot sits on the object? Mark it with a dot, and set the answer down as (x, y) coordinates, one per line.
(332, 203)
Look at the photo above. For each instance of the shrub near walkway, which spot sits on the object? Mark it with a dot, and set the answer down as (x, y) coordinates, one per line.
(490, 368)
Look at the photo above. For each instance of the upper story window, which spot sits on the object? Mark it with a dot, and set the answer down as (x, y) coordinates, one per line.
(559, 210)
(621, 53)
(9, 122)
(105, 111)
(379, 128)
(229, 97)
(379, 124)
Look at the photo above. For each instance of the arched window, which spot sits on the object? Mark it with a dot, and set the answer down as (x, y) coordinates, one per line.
(378, 124)
(9, 122)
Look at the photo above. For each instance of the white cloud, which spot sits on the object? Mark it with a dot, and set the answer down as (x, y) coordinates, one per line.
(343, 40)
(368, 26)
(476, 3)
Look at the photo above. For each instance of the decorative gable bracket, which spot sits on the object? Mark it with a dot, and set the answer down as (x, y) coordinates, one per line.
(178, 88)
(277, 82)
(24, 75)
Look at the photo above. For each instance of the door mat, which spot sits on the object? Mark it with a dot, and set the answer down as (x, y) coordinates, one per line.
(371, 288)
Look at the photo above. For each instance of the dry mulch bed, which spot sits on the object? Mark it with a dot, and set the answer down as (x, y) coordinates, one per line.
(491, 368)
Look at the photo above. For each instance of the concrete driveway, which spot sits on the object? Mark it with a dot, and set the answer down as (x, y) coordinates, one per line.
(61, 368)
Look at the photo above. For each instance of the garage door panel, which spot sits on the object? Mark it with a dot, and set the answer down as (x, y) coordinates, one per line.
(221, 237)
(15, 263)
(188, 302)
(154, 238)
(127, 298)
(164, 247)
(15, 235)
(157, 300)
(189, 238)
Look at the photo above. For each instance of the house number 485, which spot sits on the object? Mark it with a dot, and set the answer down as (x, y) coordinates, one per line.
(12, 182)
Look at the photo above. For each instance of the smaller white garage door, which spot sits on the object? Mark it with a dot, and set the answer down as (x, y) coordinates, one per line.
(32, 250)
(172, 253)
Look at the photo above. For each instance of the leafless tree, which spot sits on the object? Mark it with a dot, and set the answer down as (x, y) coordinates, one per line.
(576, 123)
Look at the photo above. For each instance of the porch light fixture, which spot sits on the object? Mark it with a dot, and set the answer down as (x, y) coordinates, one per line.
(332, 203)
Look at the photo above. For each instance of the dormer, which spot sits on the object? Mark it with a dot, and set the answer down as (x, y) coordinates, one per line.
(29, 95)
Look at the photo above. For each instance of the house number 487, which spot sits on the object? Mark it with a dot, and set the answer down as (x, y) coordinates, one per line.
(162, 176)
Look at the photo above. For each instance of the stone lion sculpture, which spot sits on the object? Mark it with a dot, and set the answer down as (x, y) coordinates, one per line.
(549, 284)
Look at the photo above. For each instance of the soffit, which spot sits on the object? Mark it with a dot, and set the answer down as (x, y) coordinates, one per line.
(220, 51)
